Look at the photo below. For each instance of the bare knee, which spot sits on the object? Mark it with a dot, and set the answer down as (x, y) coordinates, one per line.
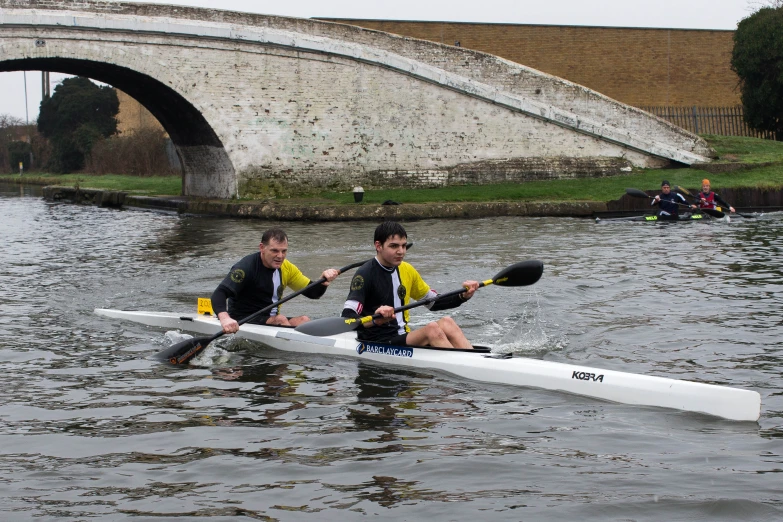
(446, 323)
(296, 321)
(278, 320)
(434, 332)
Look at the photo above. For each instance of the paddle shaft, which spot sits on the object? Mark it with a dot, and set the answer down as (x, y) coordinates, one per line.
(687, 193)
(641, 194)
(519, 274)
(368, 318)
(709, 211)
(291, 296)
(193, 348)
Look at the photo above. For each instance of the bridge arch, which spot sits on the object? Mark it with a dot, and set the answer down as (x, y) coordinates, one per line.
(256, 100)
(206, 166)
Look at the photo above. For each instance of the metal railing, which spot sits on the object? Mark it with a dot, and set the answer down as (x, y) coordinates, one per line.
(724, 121)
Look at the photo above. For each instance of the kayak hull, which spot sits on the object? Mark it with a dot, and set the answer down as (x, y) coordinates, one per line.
(621, 387)
(658, 219)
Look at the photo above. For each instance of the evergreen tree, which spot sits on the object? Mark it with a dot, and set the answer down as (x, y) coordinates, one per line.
(758, 61)
(79, 114)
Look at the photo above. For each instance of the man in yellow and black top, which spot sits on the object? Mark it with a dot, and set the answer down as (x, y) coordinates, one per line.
(258, 281)
(387, 282)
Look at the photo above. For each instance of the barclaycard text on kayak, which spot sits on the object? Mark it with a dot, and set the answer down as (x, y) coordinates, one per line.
(383, 349)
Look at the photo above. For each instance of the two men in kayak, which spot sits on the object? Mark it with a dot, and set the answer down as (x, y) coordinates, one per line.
(258, 280)
(388, 282)
(380, 285)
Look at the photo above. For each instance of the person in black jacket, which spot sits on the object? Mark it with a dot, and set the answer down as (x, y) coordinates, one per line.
(668, 202)
(258, 280)
(387, 282)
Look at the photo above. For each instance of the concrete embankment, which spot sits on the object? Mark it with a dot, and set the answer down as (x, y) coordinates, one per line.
(320, 212)
(746, 198)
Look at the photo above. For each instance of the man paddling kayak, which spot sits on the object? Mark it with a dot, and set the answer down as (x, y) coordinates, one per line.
(258, 280)
(668, 202)
(709, 199)
(386, 282)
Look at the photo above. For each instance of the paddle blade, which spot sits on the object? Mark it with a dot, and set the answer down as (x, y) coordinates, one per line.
(636, 193)
(711, 212)
(520, 274)
(328, 326)
(184, 351)
(683, 190)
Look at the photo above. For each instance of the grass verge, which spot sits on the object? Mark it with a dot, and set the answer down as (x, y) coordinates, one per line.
(754, 153)
(151, 185)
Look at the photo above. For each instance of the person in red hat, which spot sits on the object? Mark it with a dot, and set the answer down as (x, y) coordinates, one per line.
(709, 199)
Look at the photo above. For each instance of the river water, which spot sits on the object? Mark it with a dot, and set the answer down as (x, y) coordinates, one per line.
(91, 429)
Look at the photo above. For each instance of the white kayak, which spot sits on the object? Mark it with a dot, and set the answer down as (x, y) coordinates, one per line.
(626, 388)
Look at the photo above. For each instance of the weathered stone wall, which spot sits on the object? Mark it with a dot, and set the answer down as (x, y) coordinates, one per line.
(312, 104)
(643, 67)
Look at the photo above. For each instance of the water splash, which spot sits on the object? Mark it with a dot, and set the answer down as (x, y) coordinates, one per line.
(529, 332)
(173, 337)
(213, 355)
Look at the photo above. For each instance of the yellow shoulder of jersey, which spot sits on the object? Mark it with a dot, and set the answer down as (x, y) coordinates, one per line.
(412, 281)
(292, 277)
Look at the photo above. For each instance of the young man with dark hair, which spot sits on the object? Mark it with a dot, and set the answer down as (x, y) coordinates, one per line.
(387, 282)
(668, 202)
(257, 281)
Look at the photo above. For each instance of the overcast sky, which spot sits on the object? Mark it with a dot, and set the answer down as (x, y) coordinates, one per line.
(686, 14)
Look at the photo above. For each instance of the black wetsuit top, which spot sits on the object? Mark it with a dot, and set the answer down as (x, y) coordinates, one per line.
(668, 204)
(374, 285)
(250, 286)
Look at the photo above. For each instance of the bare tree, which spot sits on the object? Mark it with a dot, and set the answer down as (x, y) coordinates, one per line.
(755, 5)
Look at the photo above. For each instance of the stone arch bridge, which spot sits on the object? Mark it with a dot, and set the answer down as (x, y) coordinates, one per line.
(253, 102)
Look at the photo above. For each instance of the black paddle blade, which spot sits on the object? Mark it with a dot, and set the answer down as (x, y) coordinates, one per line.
(711, 212)
(181, 353)
(520, 274)
(636, 193)
(328, 326)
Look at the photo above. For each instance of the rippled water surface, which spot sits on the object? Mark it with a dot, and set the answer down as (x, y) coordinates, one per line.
(90, 428)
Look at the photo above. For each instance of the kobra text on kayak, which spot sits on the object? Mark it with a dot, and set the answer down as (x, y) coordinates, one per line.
(584, 376)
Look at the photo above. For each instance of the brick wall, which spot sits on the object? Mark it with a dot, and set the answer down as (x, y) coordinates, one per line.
(133, 116)
(640, 67)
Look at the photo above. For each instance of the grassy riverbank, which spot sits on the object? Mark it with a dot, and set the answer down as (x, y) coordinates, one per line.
(146, 186)
(750, 154)
(759, 164)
